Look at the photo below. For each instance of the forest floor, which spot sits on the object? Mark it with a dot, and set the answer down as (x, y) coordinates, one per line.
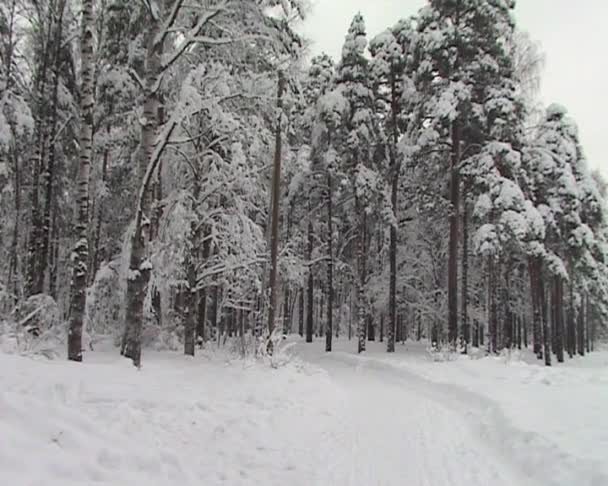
(317, 420)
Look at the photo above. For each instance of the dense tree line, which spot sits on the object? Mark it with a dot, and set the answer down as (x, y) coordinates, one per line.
(181, 171)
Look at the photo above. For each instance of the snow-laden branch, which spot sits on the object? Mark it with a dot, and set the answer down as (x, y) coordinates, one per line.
(192, 34)
(166, 29)
(222, 268)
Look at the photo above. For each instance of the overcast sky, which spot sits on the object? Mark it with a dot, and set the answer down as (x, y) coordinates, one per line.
(572, 34)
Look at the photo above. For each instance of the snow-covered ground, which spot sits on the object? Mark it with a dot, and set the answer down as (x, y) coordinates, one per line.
(320, 420)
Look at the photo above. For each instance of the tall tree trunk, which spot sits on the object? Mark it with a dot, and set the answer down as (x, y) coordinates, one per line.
(546, 327)
(189, 309)
(286, 312)
(202, 294)
(580, 321)
(54, 254)
(201, 316)
(81, 250)
(493, 320)
(507, 341)
(13, 268)
(361, 276)
(311, 287)
(466, 332)
(33, 282)
(49, 174)
(395, 168)
(453, 237)
(213, 310)
(534, 272)
(301, 312)
(586, 323)
(330, 264)
(99, 215)
(558, 309)
(139, 267)
(276, 200)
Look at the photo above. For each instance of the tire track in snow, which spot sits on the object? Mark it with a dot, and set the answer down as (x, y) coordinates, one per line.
(404, 432)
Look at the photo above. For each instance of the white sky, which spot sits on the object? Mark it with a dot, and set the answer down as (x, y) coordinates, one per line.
(572, 34)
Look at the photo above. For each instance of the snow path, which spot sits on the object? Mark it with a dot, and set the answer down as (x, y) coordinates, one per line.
(321, 420)
(403, 431)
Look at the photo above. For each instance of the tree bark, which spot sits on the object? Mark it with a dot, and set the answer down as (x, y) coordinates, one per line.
(139, 266)
(534, 272)
(49, 173)
(276, 200)
(311, 288)
(33, 281)
(286, 313)
(466, 332)
(558, 310)
(330, 265)
(493, 320)
(81, 250)
(361, 277)
(301, 313)
(453, 238)
(546, 327)
(395, 167)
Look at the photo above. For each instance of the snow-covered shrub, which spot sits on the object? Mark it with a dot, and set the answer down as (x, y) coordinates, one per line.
(166, 338)
(279, 356)
(38, 314)
(37, 328)
(104, 302)
(444, 352)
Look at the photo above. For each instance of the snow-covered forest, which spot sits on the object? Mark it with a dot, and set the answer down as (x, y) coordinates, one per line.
(184, 172)
(184, 177)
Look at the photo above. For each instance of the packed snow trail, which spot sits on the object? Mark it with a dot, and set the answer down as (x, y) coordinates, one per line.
(402, 433)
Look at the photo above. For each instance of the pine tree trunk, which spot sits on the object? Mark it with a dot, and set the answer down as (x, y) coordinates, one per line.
(201, 316)
(202, 294)
(54, 254)
(276, 201)
(360, 238)
(33, 280)
(311, 288)
(466, 332)
(546, 327)
(586, 323)
(493, 320)
(558, 311)
(570, 332)
(453, 237)
(81, 250)
(581, 330)
(519, 332)
(213, 310)
(286, 313)
(190, 307)
(330, 265)
(49, 173)
(13, 269)
(301, 313)
(534, 272)
(507, 341)
(395, 168)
